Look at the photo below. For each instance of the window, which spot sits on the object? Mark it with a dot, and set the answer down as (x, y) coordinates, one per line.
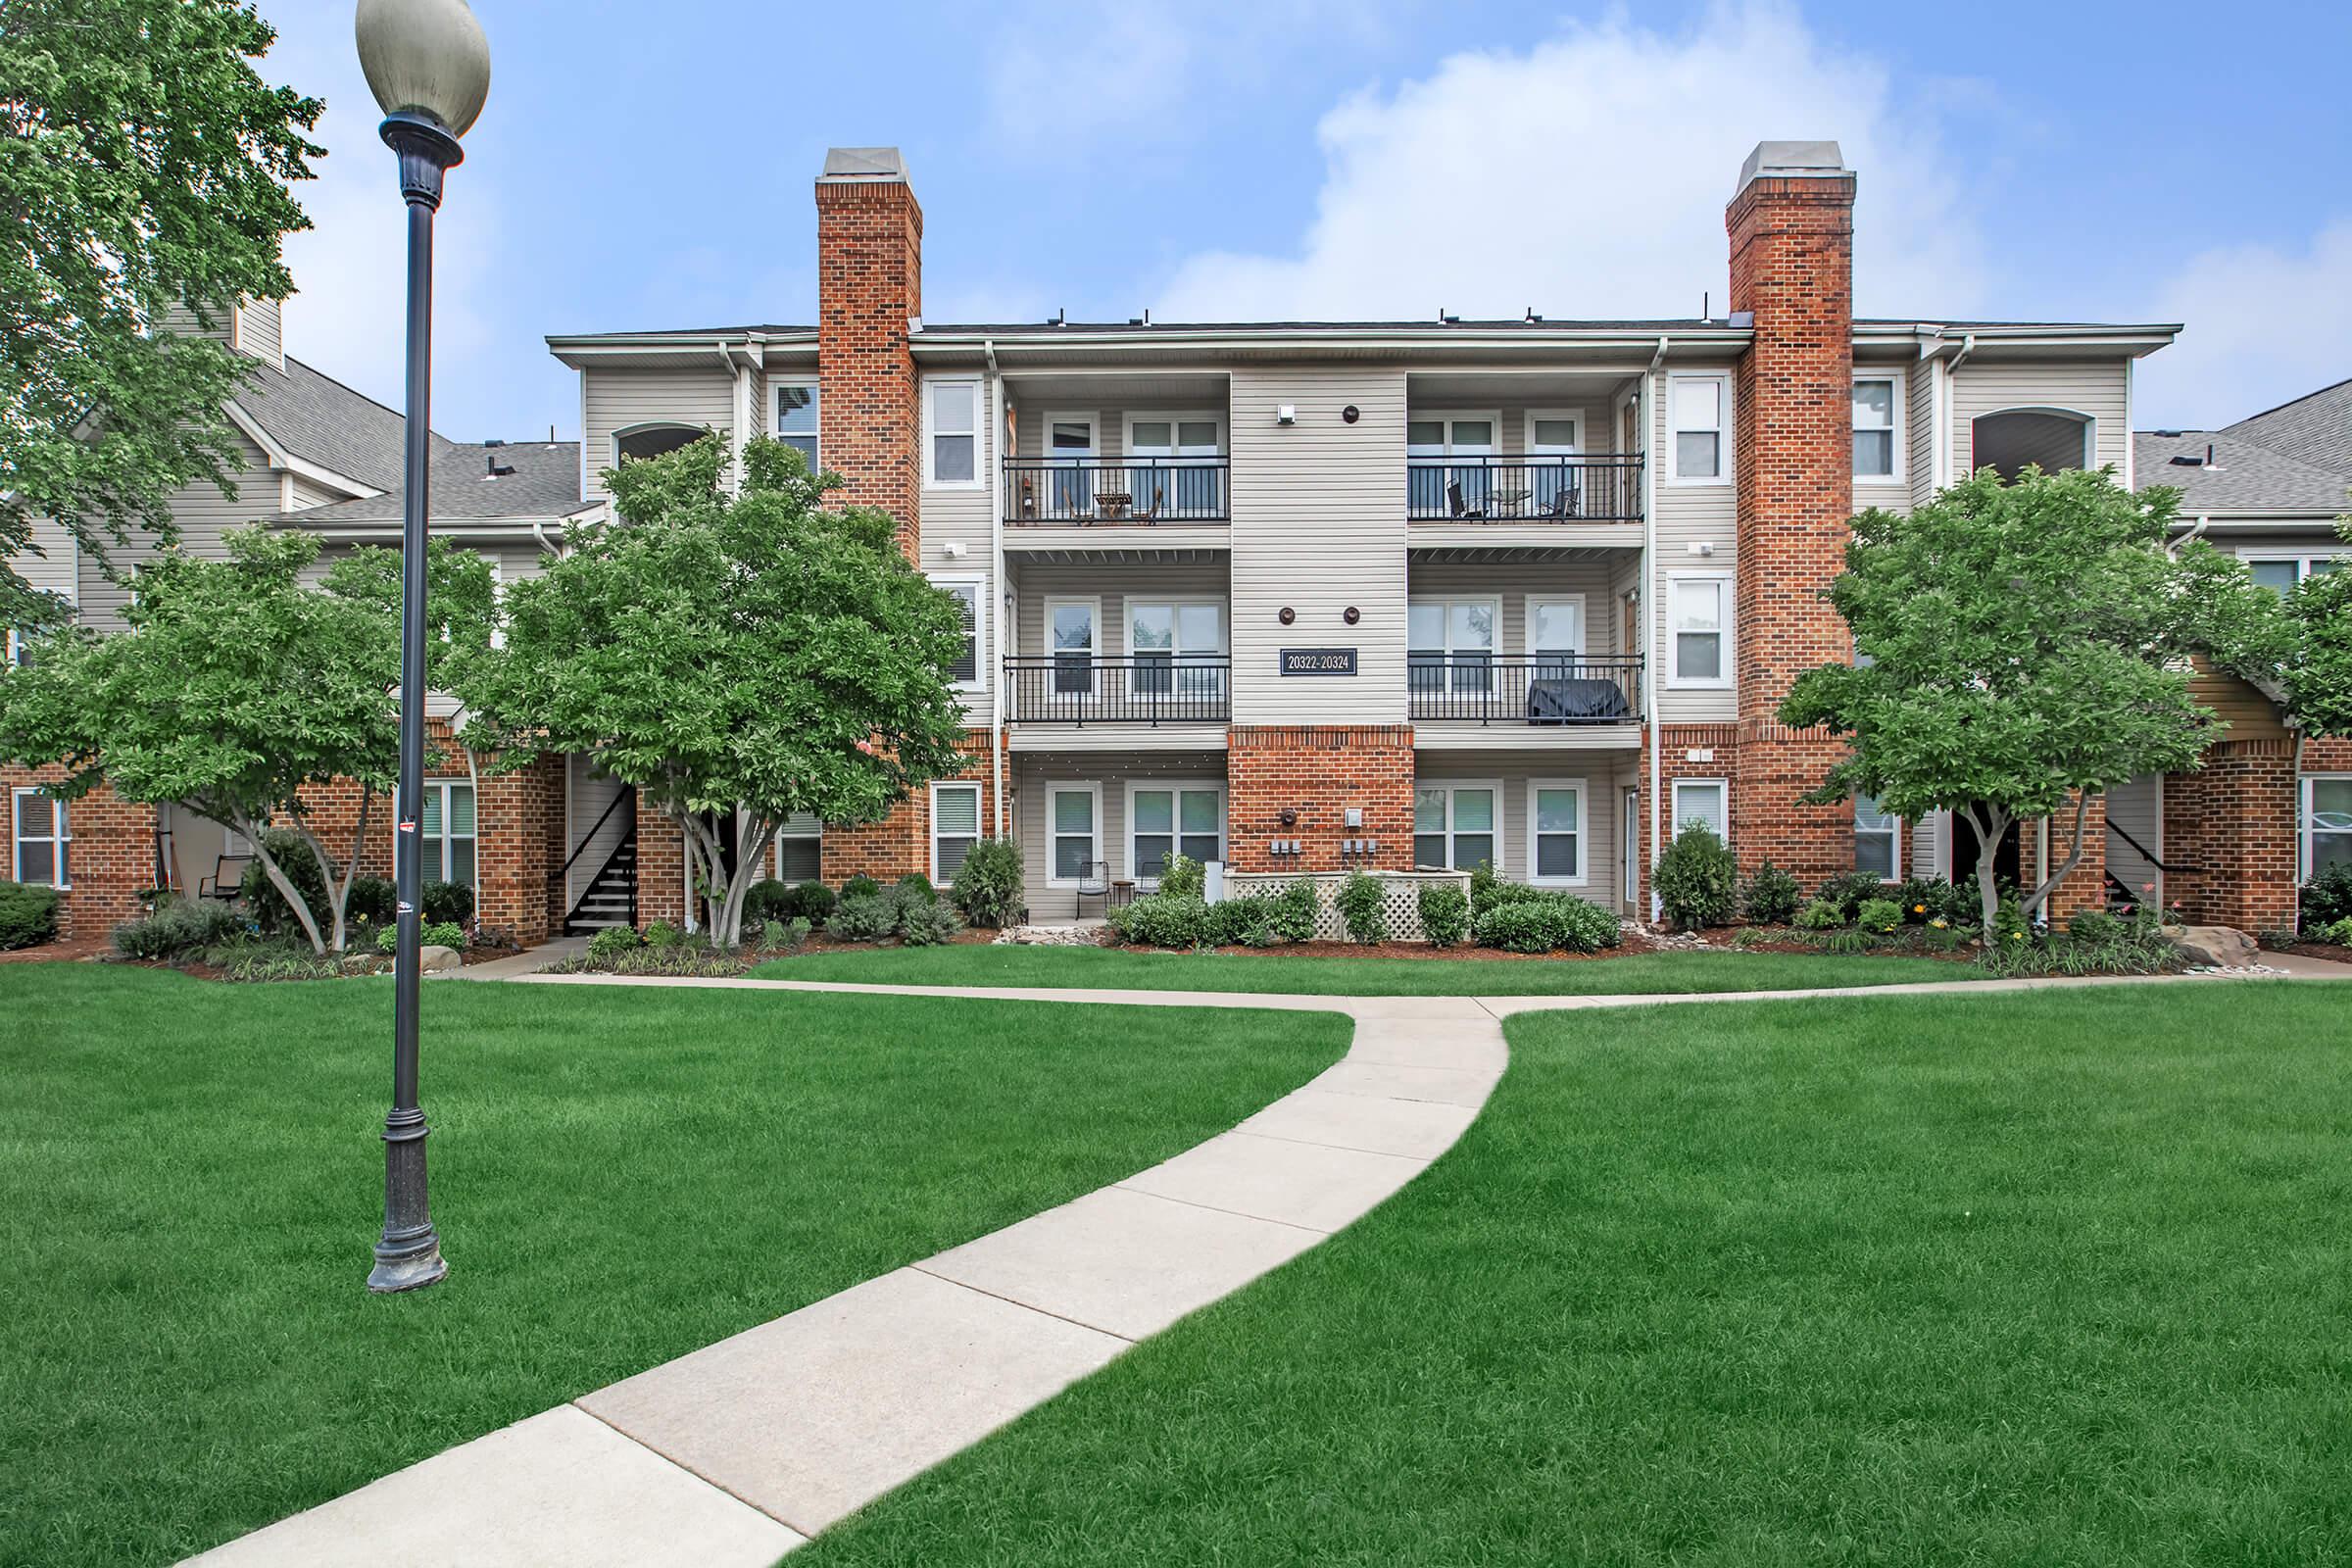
(1556, 831)
(796, 418)
(1190, 445)
(1070, 629)
(1697, 619)
(445, 829)
(800, 848)
(2282, 573)
(1556, 635)
(1074, 821)
(1436, 488)
(42, 840)
(1875, 402)
(968, 671)
(955, 828)
(1178, 647)
(1070, 444)
(1186, 818)
(1454, 826)
(19, 647)
(1878, 841)
(1700, 801)
(1450, 644)
(2327, 823)
(641, 441)
(954, 440)
(1697, 404)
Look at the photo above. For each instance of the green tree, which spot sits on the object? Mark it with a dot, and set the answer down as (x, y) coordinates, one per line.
(2317, 674)
(2029, 648)
(144, 166)
(237, 685)
(732, 656)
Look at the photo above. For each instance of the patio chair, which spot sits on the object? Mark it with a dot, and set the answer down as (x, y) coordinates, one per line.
(1564, 503)
(1463, 510)
(1094, 882)
(1150, 513)
(223, 884)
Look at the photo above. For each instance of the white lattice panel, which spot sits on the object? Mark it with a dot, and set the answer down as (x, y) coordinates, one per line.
(1400, 897)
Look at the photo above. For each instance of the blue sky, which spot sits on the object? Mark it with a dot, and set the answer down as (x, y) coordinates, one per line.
(649, 165)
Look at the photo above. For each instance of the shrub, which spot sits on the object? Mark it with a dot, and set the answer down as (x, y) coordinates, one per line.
(1161, 920)
(2095, 925)
(661, 934)
(2133, 949)
(373, 899)
(1879, 916)
(2008, 924)
(989, 883)
(859, 885)
(446, 903)
(925, 922)
(1362, 903)
(1696, 881)
(1184, 877)
(1520, 927)
(270, 912)
(863, 916)
(387, 940)
(811, 902)
(612, 942)
(1295, 909)
(1819, 915)
(28, 914)
(268, 963)
(442, 934)
(1445, 914)
(177, 929)
(765, 900)
(1771, 896)
(1587, 927)
(1849, 892)
(2339, 933)
(1922, 900)
(920, 886)
(2327, 898)
(1247, 921)
(1537, 920)
(1483, 883)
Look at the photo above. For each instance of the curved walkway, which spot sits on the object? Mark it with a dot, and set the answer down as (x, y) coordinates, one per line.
(740, 1451)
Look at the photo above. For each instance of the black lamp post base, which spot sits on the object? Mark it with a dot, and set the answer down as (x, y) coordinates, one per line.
(411, 1268)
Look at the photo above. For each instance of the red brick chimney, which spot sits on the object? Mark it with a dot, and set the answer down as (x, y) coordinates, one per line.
(1792, 228)
(869, 289)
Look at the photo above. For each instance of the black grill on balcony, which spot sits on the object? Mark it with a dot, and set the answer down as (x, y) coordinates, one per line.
(1067, 492)
(1542, 689)
(1146, 689)
(1601, 489)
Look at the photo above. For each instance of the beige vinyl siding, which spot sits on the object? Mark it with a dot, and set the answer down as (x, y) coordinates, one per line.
(1688, 515)
(203, 515)
(1318, 525)
(957, 513)
(1596, 424)
(1032, 774)
(2319, 539)
(1919, 433)
(1603, 781)
(1923, 844)
(261, 330)
(52, 571)
(588, 795)
(307, 493)
(1113, 586)
(617, 399)
(2096, 390)
(1516, 584)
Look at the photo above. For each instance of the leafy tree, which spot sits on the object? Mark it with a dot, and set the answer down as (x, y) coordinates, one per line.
(237, 685)
(145, 164)
(2318, 676)
(745, 655)
(2029, 648)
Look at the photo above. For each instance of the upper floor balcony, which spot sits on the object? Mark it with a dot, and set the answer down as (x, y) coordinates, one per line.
(1543, 690)
(1477, 487)
(1081, 490)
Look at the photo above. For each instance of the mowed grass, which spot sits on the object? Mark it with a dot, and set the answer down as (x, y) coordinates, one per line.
(190, 1182)
(1125, 968)
(2056, 1278)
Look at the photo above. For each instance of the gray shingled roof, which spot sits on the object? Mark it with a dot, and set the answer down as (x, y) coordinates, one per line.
(2315, 428)
(2246, 477)
(544, 483)
(321, 420)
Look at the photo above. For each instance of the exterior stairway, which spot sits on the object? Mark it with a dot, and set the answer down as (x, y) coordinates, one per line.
(610, 896)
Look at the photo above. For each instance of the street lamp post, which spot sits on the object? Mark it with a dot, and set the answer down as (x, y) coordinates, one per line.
(428, 65)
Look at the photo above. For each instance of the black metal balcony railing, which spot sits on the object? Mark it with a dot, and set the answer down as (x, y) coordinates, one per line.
(1144, 689)
(1469, 489)
(1534, 689)
(1067, 491)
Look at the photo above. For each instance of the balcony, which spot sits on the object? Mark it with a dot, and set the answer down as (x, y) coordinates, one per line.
(1148, 689)
(1540, 690)
(1523, 490)
(1077, 492)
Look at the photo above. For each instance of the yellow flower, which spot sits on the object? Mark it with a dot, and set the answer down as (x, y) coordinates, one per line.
(1918, 908)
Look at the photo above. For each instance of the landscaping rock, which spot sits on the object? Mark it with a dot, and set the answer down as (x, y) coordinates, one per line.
(2216, 946)
(1050, 936)
(438, 961)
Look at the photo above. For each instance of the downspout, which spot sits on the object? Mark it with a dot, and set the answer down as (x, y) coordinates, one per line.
(741, 411)
(1651, 608)
(1952, 396)
(996, 582)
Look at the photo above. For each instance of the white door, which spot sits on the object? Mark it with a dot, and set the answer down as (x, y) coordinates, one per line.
(1070, 448)
(1633, 850)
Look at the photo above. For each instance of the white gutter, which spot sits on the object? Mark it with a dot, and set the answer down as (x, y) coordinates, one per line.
(742, 411)
(996, 582)
(1651, 608)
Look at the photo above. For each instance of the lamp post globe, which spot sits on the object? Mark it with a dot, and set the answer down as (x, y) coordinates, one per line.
(428, 65)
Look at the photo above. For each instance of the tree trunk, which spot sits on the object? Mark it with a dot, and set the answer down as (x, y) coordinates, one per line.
(337, 891)
(2073, 859)
(749, 829)
(1989, 849)
(279, 880)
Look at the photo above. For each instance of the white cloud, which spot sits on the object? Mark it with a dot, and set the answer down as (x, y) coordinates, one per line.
(1587, 176)
(2263, 324)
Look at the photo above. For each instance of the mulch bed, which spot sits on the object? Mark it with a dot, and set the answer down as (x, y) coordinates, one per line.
(65, 949)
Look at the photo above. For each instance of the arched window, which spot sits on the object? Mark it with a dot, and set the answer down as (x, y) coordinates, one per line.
(2054, 438)
(641, 441)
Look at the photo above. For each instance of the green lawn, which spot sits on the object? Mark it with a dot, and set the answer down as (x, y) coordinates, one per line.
(190, 1181)
(1644, 973)
(2060, 1278)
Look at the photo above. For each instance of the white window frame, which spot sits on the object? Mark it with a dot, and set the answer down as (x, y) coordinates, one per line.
(1896, 466)
(2306, 829)
(1583, 624)
(18, 642)
(59, 838)
(1096, 651)
(1446, 605)
(1893, 832)
(1176, 833)
(1677, 816)
(1054, 834)
(643, 426)
(979, 822)
(931, 434)
(1452, 786)
(2304, 564)
(1527, 431)
(429, 848)
(1172, 420)
(1675, 679)
(1584, 833)
(1088, 462)
(775, 414)
(1722, 429)
(787, 831)
(977, 582)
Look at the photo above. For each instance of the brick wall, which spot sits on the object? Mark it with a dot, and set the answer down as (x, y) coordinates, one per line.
(901, 841)
(1318, 771)
(2085, 887)
(869, 261)
(2233, 821)
(110, 861)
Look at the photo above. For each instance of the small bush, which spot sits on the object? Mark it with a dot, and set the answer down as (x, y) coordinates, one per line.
(926, 923)
(273, 962)
(860, 886)
(1696, 881)
(2008, 924)
(1184, 877)
(1819, 915)
(1923, 898)
(178, 928)
(1483, 883)
(1295, 909)
(1539, 920)
(1161, 920)
(1247, 921)
(1587, 927)
(387, 940)
(2339, 933)
(1849, 892)
(1445, 914)
(661, 934)
(1879, 918)
(446, 903)
(442, 934)
(811, 902)
(373, 901)
(2093, 926)
(2327, 898)
(1517, 928)
(765, 900)
(863, 916)
(612, 942)
(1771, 896)
(270, 912)
(28, 914)
(990, 883)
(1363, 904)
(917, 885)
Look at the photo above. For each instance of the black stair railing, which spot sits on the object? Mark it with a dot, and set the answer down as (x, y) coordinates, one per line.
(625, 845)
